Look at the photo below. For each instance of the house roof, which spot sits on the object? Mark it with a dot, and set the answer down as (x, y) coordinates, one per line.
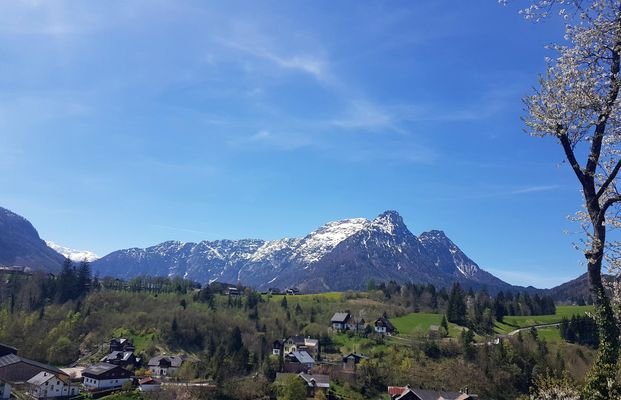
(11, 359)
(118, 355)
(396, 390)
(303, 357)
(311, 342)
(405, 392)
(6, 347)
(298, 339)
(175, 361)
(322, 381)
(44, 376)
(357, 357)
(340, 317)
(148, 381)
(100, 368)
(385, 322)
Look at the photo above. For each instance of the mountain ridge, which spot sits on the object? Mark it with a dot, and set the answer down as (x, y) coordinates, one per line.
(339, 255)
(20, 244)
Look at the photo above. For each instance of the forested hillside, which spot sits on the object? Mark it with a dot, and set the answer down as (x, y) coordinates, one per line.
(71, 317)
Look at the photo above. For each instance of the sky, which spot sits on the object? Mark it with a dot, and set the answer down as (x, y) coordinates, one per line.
(128, 123)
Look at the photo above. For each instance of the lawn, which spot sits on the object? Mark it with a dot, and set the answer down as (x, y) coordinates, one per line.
(417, 324)
(511, 323)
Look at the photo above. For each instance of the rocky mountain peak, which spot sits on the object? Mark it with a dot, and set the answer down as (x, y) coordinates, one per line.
(389, 222)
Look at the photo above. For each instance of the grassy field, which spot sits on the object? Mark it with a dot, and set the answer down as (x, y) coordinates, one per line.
(417, 324)
(305, 298)
(514, 322)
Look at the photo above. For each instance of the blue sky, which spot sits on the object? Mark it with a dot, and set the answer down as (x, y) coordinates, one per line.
(127, 123)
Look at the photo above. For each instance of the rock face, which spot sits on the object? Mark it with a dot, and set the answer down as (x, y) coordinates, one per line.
(339, 255)
(21, 245)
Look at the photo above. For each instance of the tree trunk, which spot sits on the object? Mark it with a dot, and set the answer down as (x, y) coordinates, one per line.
(600, 380)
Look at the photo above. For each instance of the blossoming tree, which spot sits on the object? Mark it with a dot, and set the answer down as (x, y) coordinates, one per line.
(577, 103)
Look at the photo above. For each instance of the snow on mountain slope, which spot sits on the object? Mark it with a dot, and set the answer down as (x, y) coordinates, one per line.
(321, 241)
(72, 254)
(339, 255)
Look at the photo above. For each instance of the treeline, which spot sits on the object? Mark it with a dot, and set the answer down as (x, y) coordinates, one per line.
(580, 330)
(476, 310)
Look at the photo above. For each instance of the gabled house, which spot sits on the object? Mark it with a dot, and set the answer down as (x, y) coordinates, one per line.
(384, 326)
(16, 369)
(299, 343)
(339, 321)
(121, 344)
(105, 376)
(165, 365)
(351, 360)
(124, 359)
(149, 384)
(47, 385)
(298, 361)
(408, 393)
(292, 291)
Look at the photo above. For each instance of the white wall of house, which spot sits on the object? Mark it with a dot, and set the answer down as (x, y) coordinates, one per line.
(380, 329)
(104, 383)
(161, 371)
(149, 388)
(54, 388)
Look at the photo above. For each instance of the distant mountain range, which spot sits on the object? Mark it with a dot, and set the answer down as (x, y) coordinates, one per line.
(339, 255)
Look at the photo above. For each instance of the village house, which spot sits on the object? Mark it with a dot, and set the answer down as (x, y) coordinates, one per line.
(121, 344)
(351, 360)
(408, 393)
(233, 291)
(313, 382)
(339, 321)
(105, 376)
(5, 390)
(299, 343)
(124, 359)
(165, 365)
(149, 384)
(298, 361)
(16, 369)
(342, 321)
(277, 348)
(384, 326)
(292, 291)
(47, 385)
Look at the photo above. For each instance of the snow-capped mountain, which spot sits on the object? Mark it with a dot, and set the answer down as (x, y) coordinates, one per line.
(72, 254)
(339, 255)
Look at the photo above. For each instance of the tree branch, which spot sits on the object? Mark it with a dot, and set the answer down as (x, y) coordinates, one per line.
(571, 156)
(609, 180)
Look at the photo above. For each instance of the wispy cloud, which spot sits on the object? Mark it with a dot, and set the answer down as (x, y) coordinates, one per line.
(535, 189)
(306, 63)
